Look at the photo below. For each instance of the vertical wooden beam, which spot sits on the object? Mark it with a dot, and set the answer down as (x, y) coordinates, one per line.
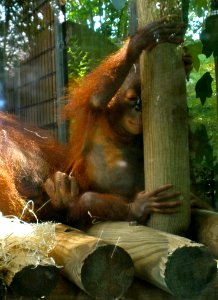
(166, 151)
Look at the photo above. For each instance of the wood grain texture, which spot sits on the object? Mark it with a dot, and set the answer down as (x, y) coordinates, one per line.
(166, 152)
(172, 263)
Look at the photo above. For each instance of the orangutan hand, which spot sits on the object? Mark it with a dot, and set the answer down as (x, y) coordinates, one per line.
(61, 190)
(158, 201)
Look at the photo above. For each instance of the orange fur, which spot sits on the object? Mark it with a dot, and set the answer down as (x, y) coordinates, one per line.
(11, 202)
(27, 157)
(78, 109)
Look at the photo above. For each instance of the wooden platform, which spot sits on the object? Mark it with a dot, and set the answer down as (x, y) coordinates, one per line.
(140, 290)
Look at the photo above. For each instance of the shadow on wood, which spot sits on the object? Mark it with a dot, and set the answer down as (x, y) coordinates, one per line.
(139, 290)
(204, 229)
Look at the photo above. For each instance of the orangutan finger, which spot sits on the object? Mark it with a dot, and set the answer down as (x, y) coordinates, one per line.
(160, 189)
(62, 185)
(50, 190)
(166, 196)
(74, 188)
(168, 204)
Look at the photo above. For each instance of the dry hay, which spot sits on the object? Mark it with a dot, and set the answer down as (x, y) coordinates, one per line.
(23, 244)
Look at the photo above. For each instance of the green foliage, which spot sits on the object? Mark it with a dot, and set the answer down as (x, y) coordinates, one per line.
(79, 61)
(20, 23)
(203, 129)
(195, 48)
(100, 16)
(203, 110)
(106, 25)
(202, 114)
(199, 6)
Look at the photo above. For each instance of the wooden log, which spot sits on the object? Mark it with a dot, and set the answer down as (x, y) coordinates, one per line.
(35, 282)
(168, 261)
(166, 152)
(139, 290)
(204, 229)
(103, 271)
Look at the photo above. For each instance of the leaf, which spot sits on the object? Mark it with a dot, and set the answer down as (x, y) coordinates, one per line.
(195, 49)
(203, 87)
(209, 36)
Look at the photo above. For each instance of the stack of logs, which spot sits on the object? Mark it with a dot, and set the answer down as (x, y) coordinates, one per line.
(103, 261)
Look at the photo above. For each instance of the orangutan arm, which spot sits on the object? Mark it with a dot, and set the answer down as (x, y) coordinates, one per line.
(90, 205)
(99, 87)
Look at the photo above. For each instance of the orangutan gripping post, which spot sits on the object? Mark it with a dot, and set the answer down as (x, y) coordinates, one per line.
(106, 148)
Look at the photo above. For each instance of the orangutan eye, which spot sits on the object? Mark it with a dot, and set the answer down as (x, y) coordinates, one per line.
(138, 104)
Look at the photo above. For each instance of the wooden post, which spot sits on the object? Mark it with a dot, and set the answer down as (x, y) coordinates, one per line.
(204, 229)
(103, 271)
(172, 263)
(166, 151)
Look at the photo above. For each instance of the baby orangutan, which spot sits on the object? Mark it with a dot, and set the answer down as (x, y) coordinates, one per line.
(106, 148)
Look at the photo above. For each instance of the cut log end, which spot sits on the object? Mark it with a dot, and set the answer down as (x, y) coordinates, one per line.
(35, 282)
(107, 273)
(198, 269)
